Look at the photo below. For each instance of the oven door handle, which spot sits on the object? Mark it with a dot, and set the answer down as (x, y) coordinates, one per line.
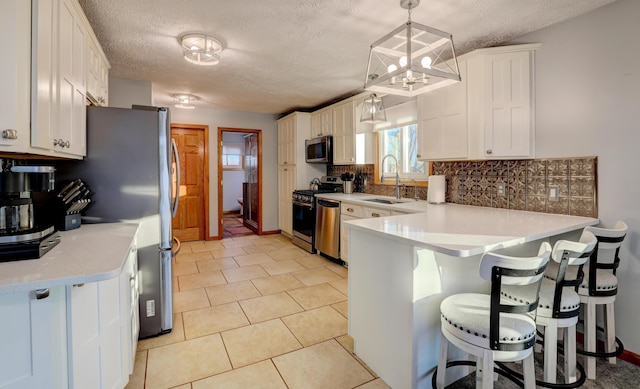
(302, 204)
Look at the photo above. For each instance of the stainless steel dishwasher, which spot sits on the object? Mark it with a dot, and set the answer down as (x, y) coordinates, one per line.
(328, 228)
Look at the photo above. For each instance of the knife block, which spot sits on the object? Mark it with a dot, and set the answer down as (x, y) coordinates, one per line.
(71, 222)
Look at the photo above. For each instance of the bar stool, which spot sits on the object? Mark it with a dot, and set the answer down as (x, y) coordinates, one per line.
(488, 326)
(559, 303)
(600, 287)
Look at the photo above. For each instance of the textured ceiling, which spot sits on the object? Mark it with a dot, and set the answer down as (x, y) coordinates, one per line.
(282, 55)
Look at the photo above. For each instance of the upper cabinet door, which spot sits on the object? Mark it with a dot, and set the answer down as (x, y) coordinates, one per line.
(59, 82)
(442, 120)
(508, 129)
(344, 134)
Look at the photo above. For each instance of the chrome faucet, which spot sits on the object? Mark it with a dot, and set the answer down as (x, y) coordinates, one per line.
(415, 190)
(397, 173)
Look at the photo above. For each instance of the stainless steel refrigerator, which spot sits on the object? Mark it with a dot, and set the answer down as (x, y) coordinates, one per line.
(133, 171)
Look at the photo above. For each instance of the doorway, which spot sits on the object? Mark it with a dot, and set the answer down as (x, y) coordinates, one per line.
(191, 220)
(240, 178)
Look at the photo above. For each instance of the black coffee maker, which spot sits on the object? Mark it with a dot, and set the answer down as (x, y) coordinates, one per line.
(22, 234)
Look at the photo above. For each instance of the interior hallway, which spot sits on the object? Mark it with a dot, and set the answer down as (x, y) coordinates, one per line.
(254, 312)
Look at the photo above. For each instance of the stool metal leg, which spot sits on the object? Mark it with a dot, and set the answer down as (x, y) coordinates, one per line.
(611, 330)
(590, 338)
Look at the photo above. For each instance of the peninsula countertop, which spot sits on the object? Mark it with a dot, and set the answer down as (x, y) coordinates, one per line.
(460, 230)
(93, 252)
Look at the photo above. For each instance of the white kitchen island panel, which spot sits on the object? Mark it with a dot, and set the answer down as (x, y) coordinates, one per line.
(402, 267)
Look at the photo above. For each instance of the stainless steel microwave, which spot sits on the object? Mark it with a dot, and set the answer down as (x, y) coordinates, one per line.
(319, 150)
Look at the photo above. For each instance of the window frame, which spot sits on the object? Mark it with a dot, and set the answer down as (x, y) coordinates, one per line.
(420, 180)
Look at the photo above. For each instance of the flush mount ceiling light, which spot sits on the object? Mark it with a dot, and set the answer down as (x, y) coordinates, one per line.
(412, 59)
(373, 110)
(201, 49)
(185, 101)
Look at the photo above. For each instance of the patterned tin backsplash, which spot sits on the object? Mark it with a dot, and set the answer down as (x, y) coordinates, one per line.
(527, 184)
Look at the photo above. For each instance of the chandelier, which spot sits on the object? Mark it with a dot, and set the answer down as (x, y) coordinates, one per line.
(201, 49)
(412, 59)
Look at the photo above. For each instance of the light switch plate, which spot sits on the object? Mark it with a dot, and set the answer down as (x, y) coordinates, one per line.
(554, 192)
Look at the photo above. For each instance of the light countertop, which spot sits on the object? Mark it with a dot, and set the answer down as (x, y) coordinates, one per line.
(93, 252)
(460, 230)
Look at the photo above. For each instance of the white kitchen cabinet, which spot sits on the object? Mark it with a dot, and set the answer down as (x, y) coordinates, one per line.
(286, 186)
(97, 73)
(344, 133)
(344, 237)
(286, 141)
(489, 114)
(353, 211)
(33, 338)
(59, 34)
(293, 171)
(442, 121)
(15, 44)
(322, 122)
(102, 329)
(501, 102)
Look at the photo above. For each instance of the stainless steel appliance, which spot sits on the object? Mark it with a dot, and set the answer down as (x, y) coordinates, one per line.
(129, 168)
(304, 212)
(319, 150)
(327, 239)
(22, 234)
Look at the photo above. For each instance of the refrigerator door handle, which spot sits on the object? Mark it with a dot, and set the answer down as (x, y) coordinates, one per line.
(174, 147)
(178, 244)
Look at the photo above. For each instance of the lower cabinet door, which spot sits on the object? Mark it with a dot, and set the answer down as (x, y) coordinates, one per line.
(32, 348)
(95, 334)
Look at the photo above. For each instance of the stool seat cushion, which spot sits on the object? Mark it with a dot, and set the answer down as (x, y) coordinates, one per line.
(605, 281)
(570, 300)
(466, 315)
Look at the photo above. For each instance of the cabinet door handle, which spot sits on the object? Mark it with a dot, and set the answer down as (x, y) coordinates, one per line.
(489, 152)
(42, 293)
(418, 155)
(374, 214)
(349, 209)
(9, 134)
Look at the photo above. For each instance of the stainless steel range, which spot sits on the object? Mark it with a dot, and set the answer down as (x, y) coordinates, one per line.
(304, 211)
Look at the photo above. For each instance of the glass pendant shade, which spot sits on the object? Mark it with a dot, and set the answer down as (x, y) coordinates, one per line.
(412, 59)
(373, 110)
(201, 49)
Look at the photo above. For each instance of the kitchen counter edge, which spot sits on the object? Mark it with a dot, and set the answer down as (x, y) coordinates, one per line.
(93, 252)
(459, 230)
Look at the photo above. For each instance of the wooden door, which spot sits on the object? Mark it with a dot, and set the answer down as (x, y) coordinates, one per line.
(189, 222)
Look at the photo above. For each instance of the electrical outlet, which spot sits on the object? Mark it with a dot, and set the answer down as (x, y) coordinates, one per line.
(554, 192)
(502, 190)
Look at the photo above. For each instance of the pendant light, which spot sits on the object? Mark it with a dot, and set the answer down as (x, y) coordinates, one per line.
(373, 110)
(412, 59)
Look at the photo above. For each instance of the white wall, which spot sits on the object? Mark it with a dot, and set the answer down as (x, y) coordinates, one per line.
(588, 103)
(125, 93)
(215, 118)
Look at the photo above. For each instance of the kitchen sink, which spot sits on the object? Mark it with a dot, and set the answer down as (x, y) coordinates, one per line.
(384, 201)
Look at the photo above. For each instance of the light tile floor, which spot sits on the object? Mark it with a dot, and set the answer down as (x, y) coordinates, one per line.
(254, 312)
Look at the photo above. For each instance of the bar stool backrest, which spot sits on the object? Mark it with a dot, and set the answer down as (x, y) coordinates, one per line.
(575, 254)
(507, 270)
(606, 255)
